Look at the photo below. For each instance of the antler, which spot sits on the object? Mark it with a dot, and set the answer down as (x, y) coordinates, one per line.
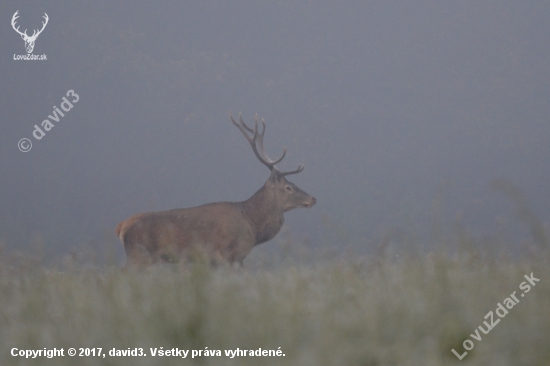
(257, 143)
(300, 168)
(46, 18)
(13, 19)
(24, 34)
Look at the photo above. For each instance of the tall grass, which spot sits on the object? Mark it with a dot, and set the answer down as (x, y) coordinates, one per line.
(383, 310)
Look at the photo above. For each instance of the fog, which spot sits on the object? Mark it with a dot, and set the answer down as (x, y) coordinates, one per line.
(403, 113)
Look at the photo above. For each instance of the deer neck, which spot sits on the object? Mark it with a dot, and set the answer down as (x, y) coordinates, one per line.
(264, 214)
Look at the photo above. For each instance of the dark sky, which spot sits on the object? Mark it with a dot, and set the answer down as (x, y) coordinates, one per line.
(400, 111)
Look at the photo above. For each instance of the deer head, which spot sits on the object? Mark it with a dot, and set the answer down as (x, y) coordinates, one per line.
(29, 40)
(287, 195)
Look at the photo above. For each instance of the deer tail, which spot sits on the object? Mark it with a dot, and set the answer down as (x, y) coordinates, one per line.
(123, 227)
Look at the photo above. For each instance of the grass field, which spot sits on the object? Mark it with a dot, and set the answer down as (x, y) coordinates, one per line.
(350, 311)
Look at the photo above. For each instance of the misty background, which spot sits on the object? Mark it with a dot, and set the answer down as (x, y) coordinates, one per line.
(402, 112)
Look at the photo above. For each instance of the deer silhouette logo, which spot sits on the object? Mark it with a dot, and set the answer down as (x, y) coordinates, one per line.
(29, 40)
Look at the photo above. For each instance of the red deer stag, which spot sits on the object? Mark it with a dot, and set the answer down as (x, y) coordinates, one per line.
(223, 231)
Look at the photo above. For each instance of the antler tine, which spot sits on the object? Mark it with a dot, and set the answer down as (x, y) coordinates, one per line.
(14, 18)
(300, 168)
(242, 127)
(245, 125)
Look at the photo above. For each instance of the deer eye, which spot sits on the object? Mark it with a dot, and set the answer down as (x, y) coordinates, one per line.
(288, 188)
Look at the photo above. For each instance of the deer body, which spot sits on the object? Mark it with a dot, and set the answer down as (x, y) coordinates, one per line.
(224, 232)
